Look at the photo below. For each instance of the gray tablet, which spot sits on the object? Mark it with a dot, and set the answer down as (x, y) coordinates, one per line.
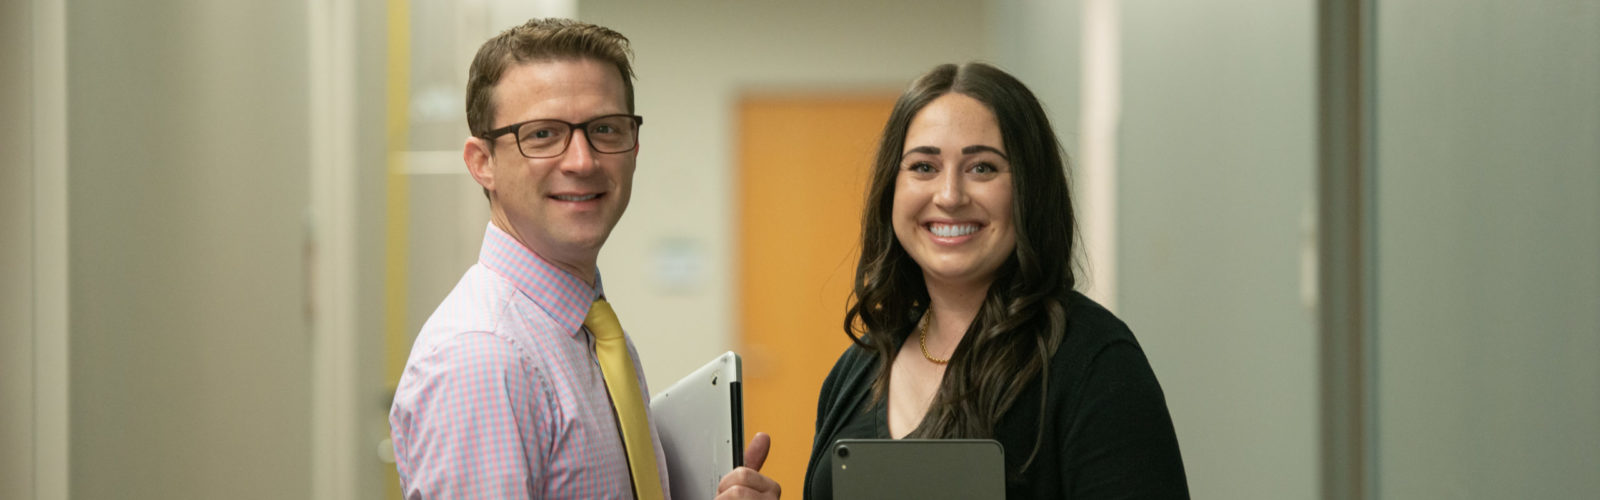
(930, 469)
(701, 423)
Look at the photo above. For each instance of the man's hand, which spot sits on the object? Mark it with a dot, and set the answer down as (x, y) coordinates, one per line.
(747, 481)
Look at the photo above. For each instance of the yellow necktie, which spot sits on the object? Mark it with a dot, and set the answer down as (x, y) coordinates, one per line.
(623, 384)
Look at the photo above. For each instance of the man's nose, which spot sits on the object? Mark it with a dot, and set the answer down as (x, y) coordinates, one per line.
(579, 158)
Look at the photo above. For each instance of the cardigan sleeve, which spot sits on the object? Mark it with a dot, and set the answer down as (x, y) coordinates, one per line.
(842, 393)
(1120, 442)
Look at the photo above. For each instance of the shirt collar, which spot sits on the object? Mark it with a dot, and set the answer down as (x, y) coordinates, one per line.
(562, 295)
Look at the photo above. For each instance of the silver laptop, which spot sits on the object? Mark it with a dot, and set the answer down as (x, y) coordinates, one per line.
(701, 423)
(928, 469)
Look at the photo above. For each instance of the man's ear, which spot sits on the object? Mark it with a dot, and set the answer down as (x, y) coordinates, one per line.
(477, 155)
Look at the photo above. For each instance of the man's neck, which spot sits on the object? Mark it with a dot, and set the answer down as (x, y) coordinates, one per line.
(584, 270)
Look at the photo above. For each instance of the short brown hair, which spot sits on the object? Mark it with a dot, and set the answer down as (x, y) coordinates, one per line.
(540, 40)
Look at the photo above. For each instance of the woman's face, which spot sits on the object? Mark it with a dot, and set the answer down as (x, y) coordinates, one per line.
(952, 195)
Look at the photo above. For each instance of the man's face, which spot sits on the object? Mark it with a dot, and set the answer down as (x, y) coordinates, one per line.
(562, 208)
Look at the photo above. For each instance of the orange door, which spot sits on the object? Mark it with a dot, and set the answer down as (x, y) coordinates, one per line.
(803, 163)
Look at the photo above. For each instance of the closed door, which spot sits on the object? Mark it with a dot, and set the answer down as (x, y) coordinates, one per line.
(803, 163)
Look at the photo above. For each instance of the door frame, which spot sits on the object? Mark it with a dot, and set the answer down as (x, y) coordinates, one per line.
(51, 317)
(331, 249)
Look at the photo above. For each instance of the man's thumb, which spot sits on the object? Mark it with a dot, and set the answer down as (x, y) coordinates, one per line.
(755, 455)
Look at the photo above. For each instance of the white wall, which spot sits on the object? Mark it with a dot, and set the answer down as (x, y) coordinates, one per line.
(694, 59)
(188, 190)
(1488, 249)
(1215, 204)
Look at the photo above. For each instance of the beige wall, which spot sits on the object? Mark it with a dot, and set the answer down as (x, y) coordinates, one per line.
(694, 59)
(16, 254)
(188, 192)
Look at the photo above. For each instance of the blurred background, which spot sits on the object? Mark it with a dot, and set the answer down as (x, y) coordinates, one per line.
(1358, 240)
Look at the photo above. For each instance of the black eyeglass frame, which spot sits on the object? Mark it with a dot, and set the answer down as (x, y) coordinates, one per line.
(638, 121)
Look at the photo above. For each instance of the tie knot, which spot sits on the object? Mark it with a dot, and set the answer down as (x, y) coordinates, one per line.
(602, 321)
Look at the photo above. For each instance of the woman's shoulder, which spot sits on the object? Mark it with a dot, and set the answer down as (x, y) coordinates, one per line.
(847, 383)
(1100, 362)
(852, 363)
(1091, 329)
(1090, 323)
(1109, 402)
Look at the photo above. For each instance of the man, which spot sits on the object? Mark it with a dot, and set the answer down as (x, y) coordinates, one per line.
(522, 384)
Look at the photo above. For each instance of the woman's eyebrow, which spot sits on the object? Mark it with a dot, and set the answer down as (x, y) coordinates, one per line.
(974, 149)
(979, 147)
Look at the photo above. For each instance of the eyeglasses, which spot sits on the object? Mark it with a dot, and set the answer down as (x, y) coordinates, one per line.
(549, 138)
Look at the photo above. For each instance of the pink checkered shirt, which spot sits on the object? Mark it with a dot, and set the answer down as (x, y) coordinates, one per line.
(502, 396)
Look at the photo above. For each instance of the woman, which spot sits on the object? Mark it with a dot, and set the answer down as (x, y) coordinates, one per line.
(965, 321)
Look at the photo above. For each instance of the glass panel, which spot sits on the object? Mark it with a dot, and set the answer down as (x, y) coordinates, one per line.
(1215, 214)
(1488, 249)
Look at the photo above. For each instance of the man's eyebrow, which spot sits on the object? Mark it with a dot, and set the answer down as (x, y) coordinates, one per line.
(979, 147)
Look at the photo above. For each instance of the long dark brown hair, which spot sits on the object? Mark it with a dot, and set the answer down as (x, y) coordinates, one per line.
(1023, 316)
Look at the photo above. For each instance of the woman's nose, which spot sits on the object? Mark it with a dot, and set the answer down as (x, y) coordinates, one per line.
(952, 190)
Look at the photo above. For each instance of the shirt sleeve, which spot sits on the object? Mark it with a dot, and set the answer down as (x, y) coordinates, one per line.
(1122, 444)
(465, 421)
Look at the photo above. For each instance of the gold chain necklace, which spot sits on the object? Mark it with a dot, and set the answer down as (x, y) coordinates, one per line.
(924, 340)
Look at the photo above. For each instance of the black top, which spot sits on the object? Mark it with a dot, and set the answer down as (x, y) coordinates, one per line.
(1107, 430)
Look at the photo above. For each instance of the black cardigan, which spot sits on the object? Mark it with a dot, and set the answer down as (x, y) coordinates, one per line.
(1107, 430)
